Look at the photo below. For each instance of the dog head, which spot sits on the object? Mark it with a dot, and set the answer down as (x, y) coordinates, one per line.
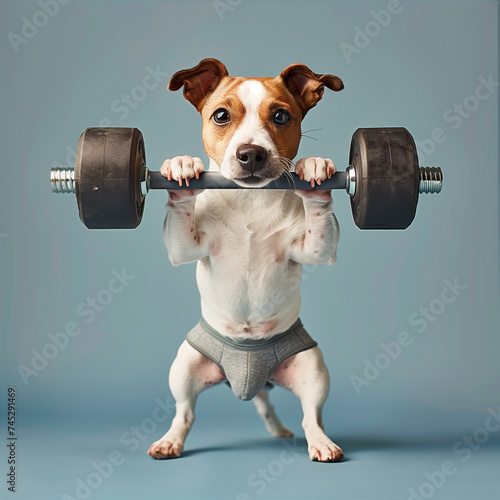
(251, 126)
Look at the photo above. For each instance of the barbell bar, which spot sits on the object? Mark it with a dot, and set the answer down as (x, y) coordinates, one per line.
(111, 180)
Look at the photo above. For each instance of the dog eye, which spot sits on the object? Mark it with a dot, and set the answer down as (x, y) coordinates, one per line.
(281, 117)
(221, 116)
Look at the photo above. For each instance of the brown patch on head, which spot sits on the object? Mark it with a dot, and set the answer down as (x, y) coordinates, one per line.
(200, 81)
(217, 137)
(285, 137)
(308, 87)
(209, 87)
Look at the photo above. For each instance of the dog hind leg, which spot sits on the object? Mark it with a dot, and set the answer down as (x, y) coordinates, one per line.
(266, 410)
(190, 374)
(306, 375)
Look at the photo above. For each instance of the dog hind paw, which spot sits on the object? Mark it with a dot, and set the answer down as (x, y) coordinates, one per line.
(165, 449)
(281, 433)
(326, 451)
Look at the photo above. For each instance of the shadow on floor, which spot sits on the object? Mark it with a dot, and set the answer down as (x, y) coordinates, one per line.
(350, 444)
(251, 444)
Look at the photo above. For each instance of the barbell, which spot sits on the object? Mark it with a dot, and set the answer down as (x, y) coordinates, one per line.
(111, 180)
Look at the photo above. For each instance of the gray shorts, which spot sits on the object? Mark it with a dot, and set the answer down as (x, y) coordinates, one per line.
(248, 364)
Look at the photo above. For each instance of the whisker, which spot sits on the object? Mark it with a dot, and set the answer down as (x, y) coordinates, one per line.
(287, 162)
(309, 137)
(195, 132)
(286, 173)
(312, 130)
(291, 178)
(305, 132)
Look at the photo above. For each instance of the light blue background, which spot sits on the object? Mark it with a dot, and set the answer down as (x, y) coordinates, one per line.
(107, 380)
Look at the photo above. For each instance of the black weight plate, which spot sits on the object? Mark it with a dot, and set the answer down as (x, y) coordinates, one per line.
(108, 170)
(387, 178)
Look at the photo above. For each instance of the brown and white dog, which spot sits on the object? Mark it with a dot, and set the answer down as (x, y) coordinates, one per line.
(250, 245)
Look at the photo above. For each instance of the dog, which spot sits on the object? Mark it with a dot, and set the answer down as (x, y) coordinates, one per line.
(250, 245)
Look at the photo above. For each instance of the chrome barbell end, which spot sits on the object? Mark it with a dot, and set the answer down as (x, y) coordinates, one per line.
(62, 180)
(431, 180)
(350, 180)
(145, 181)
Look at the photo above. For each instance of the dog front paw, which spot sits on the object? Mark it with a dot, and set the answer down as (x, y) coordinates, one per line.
(182, 168)
(315, 169)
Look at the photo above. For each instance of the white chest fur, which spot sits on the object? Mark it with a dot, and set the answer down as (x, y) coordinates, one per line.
(248, 284)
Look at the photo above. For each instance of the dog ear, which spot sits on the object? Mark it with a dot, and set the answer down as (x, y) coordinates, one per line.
(199, 81)
(308, 87)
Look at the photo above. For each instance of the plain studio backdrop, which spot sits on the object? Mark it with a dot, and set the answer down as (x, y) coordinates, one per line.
(407, 320)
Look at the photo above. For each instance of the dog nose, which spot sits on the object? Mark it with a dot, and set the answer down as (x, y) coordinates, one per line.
(251, 156)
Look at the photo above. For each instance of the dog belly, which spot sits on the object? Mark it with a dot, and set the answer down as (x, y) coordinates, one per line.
(249, 287)
(241, 304)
